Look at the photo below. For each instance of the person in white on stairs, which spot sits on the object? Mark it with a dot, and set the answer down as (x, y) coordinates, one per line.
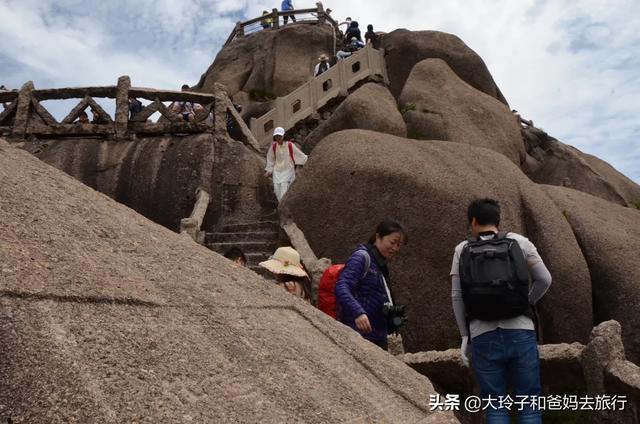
(282, 159)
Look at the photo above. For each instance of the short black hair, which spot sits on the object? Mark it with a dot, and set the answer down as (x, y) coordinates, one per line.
(390, 226)
(485, 211)
(185, 86)
(235, 253)
(370, 27)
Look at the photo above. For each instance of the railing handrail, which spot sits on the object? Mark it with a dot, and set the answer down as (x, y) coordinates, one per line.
(275, 14)
(24, 115)
(372, 63)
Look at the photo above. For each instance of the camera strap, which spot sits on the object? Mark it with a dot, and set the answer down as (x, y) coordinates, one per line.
(384, 281)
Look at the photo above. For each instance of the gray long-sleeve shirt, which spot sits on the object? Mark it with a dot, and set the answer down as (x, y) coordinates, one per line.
(541, 283)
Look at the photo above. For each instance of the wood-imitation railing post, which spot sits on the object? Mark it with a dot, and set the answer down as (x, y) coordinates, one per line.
(239, 30)
(22, 110)
(276, 18)
(122, 107)
(321, 15)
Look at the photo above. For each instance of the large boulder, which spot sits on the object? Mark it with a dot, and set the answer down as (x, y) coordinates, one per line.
(438, 105)
(403, 49)
(428, 185)
(371, 107)
(268, 64)
(555, 163)
(609, 237)
(158, 176)
(107, 317)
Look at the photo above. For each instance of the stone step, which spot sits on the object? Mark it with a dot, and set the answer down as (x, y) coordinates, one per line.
(256, 258)
(255, 236)
(243, 227)
(266, 247)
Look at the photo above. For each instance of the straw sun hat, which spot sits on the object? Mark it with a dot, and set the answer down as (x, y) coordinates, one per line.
(285, 260)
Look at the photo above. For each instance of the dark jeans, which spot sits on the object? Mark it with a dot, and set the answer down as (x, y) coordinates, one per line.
(502, 357)
(286, 18)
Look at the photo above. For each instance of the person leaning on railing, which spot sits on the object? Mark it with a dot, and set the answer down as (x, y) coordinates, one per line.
(267, 20)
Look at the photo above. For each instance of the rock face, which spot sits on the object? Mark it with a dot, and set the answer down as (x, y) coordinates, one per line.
(438, 105)
(403, 49)
(158, 176)
(555, 163)
(609, 237)
(428, 185)
(268, 64)
(107, 317)
(371, 107)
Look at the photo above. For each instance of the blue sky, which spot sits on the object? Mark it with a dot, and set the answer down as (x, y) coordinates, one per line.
(570, 66)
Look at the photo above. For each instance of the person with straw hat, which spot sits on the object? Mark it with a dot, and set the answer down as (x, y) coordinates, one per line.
(290, 274)
(322, 66)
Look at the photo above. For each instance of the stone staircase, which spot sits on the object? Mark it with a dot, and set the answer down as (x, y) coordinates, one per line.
(258, 240)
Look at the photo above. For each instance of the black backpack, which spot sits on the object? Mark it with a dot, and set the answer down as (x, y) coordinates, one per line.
(495, 278)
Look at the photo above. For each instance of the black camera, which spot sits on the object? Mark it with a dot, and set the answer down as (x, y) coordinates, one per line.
(396, 316)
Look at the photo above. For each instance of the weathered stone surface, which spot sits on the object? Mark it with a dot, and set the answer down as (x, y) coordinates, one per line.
(559, 164)
(623, 377)
(371, 107)
(403, 49)
(107, 317)
(605, 346)
(428, 185)
(438, 105)
(159, 176)
(609, 237)
(268, 63)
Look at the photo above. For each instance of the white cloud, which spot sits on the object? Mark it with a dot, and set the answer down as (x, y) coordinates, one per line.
(571, 66)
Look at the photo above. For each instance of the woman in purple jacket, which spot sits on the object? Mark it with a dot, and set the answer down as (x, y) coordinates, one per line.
(360, 289)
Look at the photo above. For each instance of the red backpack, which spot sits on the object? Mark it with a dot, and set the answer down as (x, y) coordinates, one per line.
(327, 288)
(290, 145)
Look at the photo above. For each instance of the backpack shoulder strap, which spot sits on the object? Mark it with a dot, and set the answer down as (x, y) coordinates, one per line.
(501, 235)
(367, 261)
(290, 145)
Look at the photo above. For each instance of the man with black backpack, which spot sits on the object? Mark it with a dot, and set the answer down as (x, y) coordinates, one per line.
(493, 305)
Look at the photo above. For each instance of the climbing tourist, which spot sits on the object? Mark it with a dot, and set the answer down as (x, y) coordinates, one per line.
(371, 37)
(492, 303)
(353, 31)
(236, 255)
(135, 107)
(186, 110)
(3, 88)
(282, 158)
(289, 271)
(322, 66)
(355, 45)
(346, 24)
(266, 21)
(287, 5)
(364, 300)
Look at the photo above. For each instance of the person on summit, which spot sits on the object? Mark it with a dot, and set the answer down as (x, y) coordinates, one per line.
(353, 31)
(282, 159)
(363, 297)
(493, 305)
(371, 37)
(286, 6)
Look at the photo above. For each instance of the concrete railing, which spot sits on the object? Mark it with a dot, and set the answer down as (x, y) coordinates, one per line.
(271, 20)
(191, 226)
(316, 93)
(25, 116)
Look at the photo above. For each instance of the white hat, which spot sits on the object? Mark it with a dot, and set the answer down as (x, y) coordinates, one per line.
(285, 260)
(278, 131)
